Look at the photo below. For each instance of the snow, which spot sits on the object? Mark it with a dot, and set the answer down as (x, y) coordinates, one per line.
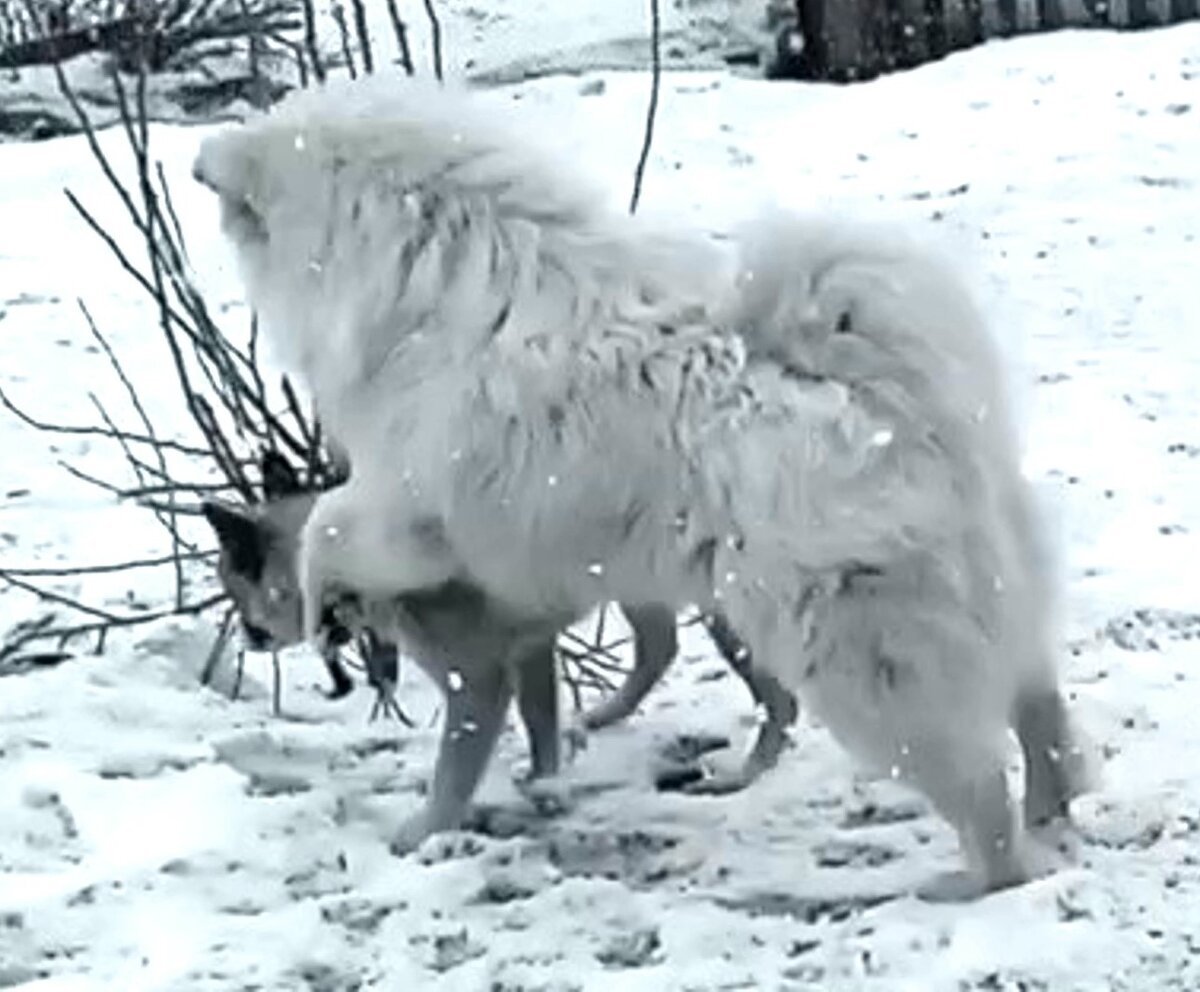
(154, 835)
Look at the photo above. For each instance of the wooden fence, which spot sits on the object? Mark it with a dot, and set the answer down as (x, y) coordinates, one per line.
(858, 39)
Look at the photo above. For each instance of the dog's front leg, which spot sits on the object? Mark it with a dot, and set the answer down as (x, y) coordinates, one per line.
(475, 708)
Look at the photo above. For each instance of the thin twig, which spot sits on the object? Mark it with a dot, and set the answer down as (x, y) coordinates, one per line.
(222, 452)
(573, 685)
(63, 634)
(61, 599)
(170, 488)
(651, 111)
(276, 685)
(590, 657)
(204, 347)
(94, 431)
(108, 487)
(135, 400)
(296, 50)
(117, 491)
(119, 254)
(218, 646)
(435, 31)
(256, 376)
(175, 225)
(166, 518)
(289, 395)
(310, 40)
(339, 18)
(69, 571)
(182, 509)
(364, 36)
(401, 30)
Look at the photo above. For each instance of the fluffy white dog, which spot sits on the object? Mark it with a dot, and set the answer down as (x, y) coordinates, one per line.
(566, 407)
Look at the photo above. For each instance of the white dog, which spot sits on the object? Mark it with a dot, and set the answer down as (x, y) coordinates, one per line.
(565, 407)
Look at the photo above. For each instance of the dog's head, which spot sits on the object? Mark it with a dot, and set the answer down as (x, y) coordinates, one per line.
(257, 562)
(333, 187)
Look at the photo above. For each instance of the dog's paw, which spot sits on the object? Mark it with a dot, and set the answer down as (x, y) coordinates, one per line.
(449, 845)
(575, 737)
(953, 887)
(1054, 846)
(412, 833)
(430, 830)
(549, 796)
(1029, 863)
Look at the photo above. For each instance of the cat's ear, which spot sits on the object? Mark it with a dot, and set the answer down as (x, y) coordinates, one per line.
(279, 479)
(241, 537)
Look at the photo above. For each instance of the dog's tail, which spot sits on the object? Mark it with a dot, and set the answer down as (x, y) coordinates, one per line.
(784, 268)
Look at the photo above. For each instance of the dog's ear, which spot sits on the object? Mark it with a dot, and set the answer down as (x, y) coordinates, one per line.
(279, 478)
(241, 538)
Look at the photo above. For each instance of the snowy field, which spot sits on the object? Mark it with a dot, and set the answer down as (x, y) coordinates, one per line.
(157, 836)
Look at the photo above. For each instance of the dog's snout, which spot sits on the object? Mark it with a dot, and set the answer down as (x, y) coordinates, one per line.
(205, 174)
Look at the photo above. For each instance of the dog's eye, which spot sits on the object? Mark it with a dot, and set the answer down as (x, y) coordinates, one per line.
(843, 326)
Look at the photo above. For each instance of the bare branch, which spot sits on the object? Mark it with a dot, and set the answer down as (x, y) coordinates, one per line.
(401, 30)
(83, 476)
(165, 517)
(652, 110)
(180, 508)
(310, 40)
(222, 452)
(98, 626)
(166, 192)
(94, 431)
(69, 571)
(218, 646)
(364, 35)
(58, 598)
(435, 30)
(339, 18)
(135, 400)
(170, 488)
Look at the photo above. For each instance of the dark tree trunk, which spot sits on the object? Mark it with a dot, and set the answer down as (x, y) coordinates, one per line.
(1008, 17)
(815, 57)
(1139, 14)
(937, 15)
(1050, 14)
(963, 24)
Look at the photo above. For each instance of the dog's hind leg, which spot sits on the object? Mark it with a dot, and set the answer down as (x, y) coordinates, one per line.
(1056, 769)
(475, 708)
(964, 776)
(912, 695)
(655, 643)
(536, 677)
(778, 705)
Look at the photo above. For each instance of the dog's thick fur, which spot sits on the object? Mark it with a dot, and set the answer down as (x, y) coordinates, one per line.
(567, 407)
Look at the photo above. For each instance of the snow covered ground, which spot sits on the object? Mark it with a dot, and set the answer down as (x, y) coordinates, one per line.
(154, 835)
